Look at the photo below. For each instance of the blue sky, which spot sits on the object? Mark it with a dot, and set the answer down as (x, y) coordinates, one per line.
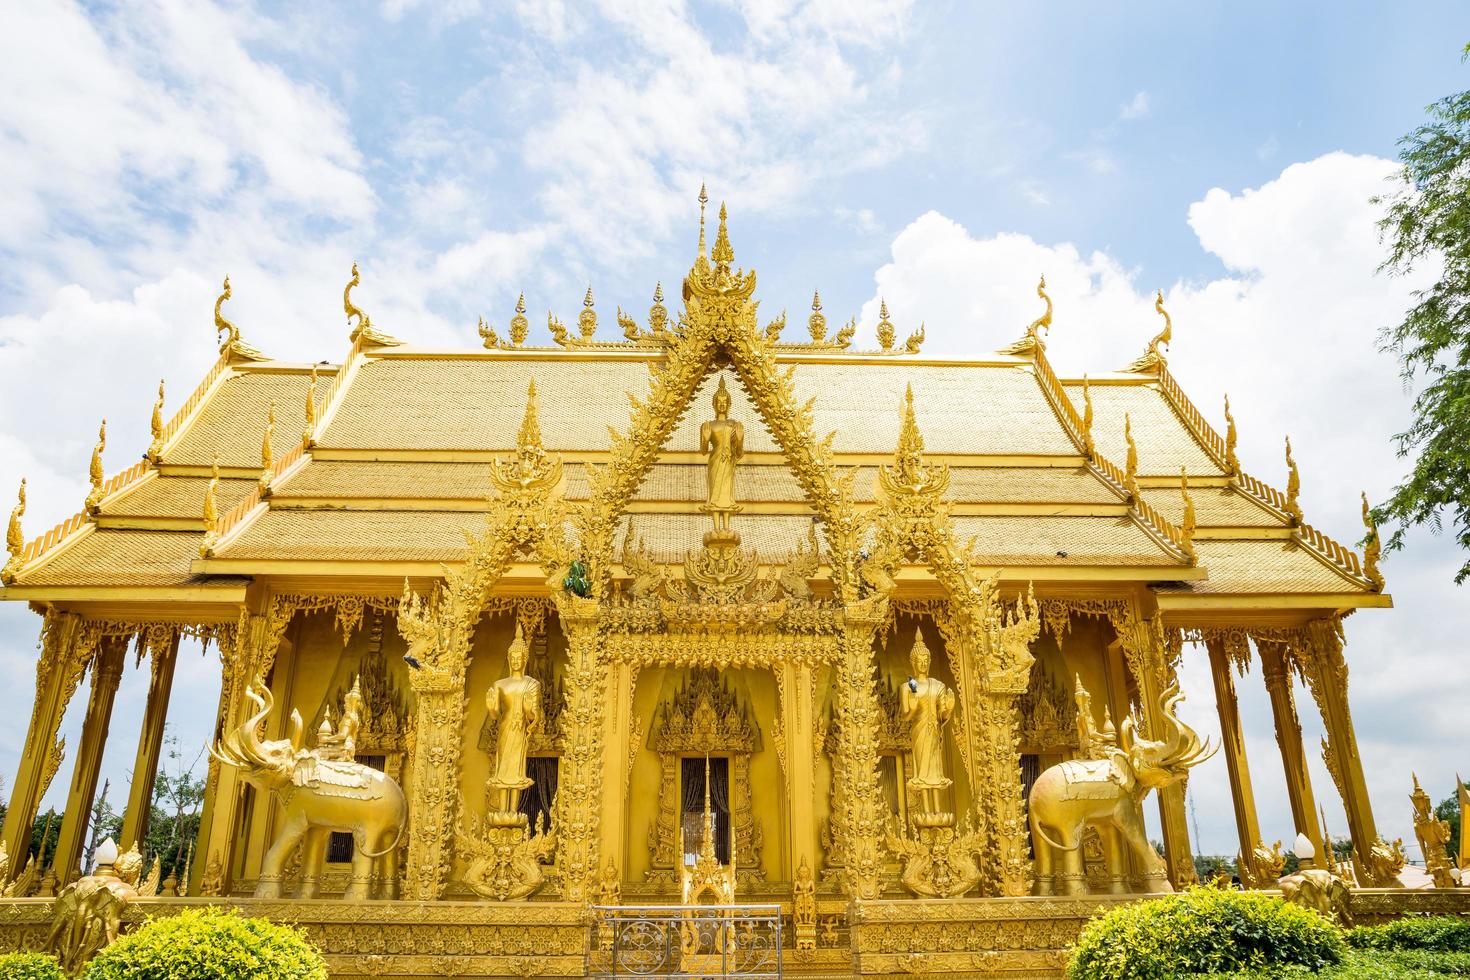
(938, 155)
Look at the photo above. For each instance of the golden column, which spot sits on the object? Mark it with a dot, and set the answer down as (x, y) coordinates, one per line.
(1232, 740)
(66, 648)
(861, 821)
(1327, 677)
(106, 674)
(617, 732)
(579, 783)
(1289, 739)
(161, 658)
(796, 692)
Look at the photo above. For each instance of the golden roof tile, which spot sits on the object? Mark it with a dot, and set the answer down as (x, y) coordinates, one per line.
(233, 419)
(1261, 567)
(306, 535)
(109, 557)
(1061, 541)
(1164, 442)
(1214, 507)
(176, 497)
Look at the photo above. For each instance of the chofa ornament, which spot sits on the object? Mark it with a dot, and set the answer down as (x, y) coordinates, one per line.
(1107, 791)
(318, 795)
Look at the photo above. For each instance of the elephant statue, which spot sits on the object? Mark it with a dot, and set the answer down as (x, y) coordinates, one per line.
(1106, 790)
(318, 795)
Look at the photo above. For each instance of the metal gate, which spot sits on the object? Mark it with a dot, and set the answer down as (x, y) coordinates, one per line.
(685, 942)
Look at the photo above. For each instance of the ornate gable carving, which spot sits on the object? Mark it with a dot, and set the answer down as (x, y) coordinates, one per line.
(705, 716)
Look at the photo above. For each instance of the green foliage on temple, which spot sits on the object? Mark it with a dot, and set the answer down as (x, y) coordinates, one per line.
(1201, 931)
(30, 966)
(209, 944)
(1427, 223)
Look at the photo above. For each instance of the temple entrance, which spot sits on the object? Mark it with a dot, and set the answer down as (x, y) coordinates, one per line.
(692, 782)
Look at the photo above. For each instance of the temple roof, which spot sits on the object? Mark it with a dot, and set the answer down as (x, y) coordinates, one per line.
(393, 470)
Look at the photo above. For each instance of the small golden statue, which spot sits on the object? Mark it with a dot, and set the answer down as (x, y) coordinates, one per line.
(723, 440)
(1434, 837)
(87, 914)
(804, 907)
(341, 745)
(514, 703)
(927, 704)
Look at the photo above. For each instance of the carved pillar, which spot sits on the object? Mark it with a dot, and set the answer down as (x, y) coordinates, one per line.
(106, 673)
(248, 650)
(66, 646)
(1233, 743)
(438, 735)
(618, 733)
(862, 820)
(1327, 677)
(800, 769)
(1289, 739)
(161, 661)
(1000, 772)
(1153, 670)
(579, 785)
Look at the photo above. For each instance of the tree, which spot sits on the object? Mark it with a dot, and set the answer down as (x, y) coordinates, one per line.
(105, 822)
(1449, 811)
(1427, 222)
(173, 821)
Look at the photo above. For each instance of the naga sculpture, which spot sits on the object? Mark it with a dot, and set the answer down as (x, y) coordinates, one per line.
(1107, 791)
(318, 795)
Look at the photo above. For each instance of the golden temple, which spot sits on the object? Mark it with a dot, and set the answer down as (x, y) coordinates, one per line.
(704, 613)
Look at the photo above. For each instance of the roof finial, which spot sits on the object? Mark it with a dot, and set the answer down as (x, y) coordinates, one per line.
(658, 314)
(1031, 339)
(1189, 520)
(1372, 548)
(1232, 461)
(529, 438)
(885, 326)
(817, 322)
(1087, 441)
(519, 325)
(221, 325)
(95, 472)
(915, 340)
(211, 511)
(1293, 488)
(266, 457)
(488, 337)
(155, 426)
(15, 541)
(723, 253)
(364, 329)
(587, 319)
(307, 432)
(1130, 473)
(703, 200)
(1153, 359)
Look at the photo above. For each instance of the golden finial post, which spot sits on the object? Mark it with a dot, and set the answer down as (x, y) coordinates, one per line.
(226, 332)
(364, 329)
(94, 471)
(817, 322)
(519, 325)
(1153, 360)
(1088, 443)
(723, 254)
(885, 326)
(1232, 461)
(267, 459)
(155, 426)
(703, 200)
(309, 430)
(587, 319)
(1130, 472)
(658, 314)
(1031, 340)
(211, 510)
(1372, 548)
(15, 541)
(1293, 488)
(489, 339)
(1188, 524)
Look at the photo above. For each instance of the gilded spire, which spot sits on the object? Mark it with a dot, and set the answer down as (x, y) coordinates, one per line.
(1372, 548)
(723, 253)
(529, 438)
(908, 474)
(1031, 339)
(228, 334)
(1293, 487)
(155, 425)
(533, 467)
(94, 471)
(817, 322)
(1153, 359)
(1130, 473)
(703, 259)
(885, 326)
(519, 325)
(307, 432)
(1189, 518)
(587, 319)
(1232, 461)
(266, 457)
(211, 510)
(364, 330)
(15, 541)
(1087, 441)
(658, 314)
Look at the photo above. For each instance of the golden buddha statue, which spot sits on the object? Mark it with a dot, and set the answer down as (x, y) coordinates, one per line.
(926, 703)
(722, 439)
(514, 703)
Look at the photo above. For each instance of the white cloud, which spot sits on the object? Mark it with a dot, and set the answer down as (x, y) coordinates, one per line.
(1290, 332)
(1135, 108)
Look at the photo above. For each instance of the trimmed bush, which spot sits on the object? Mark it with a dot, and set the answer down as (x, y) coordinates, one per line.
(209, 944)
(30, 966)
(1402, 964)
(1439, 933)
(1200, 931)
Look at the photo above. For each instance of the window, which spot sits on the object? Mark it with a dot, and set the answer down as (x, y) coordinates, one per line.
(692, 818)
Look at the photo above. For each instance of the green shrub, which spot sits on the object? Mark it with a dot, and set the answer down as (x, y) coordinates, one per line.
(1441, 933)
(1403, 964)
(30, 966)
(209, 944)
(1203, 930)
